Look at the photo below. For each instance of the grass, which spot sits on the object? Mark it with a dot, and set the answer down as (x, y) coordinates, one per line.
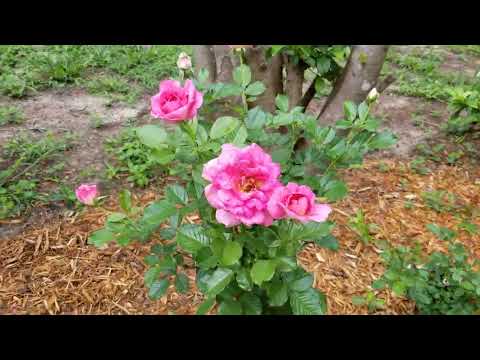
(11, 115)
(418, 74)
(22, 169)
(28, 68)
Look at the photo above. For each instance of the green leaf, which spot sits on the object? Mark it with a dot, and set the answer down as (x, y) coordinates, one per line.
(158, 289)
(230, 307)
(336, 190)
(363, 111)
(151, 260)
(244, 280)
(158, 212)
(308, 302)
(263, 270)
(152, 136)
(399, 288)
(277, 293)
(151, 275)
(378, 284)
(358, 300)
(383, 140)
(328, 242)
(101, 237)
(225, 90)
(252, 305)
(312, 230)
(205, 306)
(168, 265)
(125, 199)
(232, 252)
(442, 233)
(241, 136)
(224, 126)
(302, 284)
(255, 89)
(281, 155)
(282, 103)
(177, 194)
(286, 263)
(116, 217)
(350, 110)
(162, 156)
(256, 118)
(218, 281)
(242, 75)
(181, 283)
(192, 238)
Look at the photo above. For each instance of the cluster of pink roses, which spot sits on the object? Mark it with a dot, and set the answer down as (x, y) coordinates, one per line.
(244, 188)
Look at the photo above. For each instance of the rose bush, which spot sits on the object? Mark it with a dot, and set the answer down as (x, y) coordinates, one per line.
(231, 172)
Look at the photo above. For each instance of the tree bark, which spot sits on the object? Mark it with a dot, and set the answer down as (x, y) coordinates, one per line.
(267, 71)
(225, 63)
(294, 81)
(204, 58)
(358, 78)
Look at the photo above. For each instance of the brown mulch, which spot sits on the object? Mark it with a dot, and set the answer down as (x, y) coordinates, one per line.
(52, 270)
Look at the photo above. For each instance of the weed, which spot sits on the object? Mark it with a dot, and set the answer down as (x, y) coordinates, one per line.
(10, 115)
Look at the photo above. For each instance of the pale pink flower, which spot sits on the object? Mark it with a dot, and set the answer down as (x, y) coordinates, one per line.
(86, 193)
(184, 61)
(297, 202)
(176, 103)
(242, 181)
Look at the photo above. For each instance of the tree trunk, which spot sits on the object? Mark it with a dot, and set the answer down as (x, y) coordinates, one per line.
(358, 78)
(204, 58)
(294, 81)
(225, 63)
(267, 71)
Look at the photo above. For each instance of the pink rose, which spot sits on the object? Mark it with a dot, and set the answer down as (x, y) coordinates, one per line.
(297, 202)
(242, 181)
(86, 193)
(176, 103)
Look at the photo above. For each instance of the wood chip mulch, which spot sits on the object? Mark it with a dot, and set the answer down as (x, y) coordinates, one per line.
(52, 270)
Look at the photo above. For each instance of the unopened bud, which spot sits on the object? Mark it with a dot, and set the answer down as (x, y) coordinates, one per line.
(373, 95)
(184, 61)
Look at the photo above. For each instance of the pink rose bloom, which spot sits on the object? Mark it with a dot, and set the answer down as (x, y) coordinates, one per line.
(86, 193)
(297, 202)
(176, 103)
(242, 181)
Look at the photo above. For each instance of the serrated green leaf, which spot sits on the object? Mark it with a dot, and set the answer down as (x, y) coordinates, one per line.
(383, 140)
(218, 281)
(151, 260)
(358, 300)
(224, 126)
(158, 289)
(336, 190)
(162, 156)
(232, 252)
(151, 275)
(116, 217)
(158, 212)
(277, 293)
(152, 136)
(242, 75)
(251, 304)
(192, 238)
(350, 110)
(302, 284)
(205, 306)
(282, 103)
(328, 242)
(230, 307)
(244, 280)
(363, 111)
(308, 302)
(125, 199)
(101, 237)
(256, 118)
(241, 137)
(181, 283)
(262, 271)
(255, 89)
(177, 194)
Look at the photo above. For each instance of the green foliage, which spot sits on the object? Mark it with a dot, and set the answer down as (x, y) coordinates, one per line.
(244, 270)
(440, 284)
(439, 200)
(133, 158)
(361, 227)
(370, 300)
(10, 115)
(21, 170)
